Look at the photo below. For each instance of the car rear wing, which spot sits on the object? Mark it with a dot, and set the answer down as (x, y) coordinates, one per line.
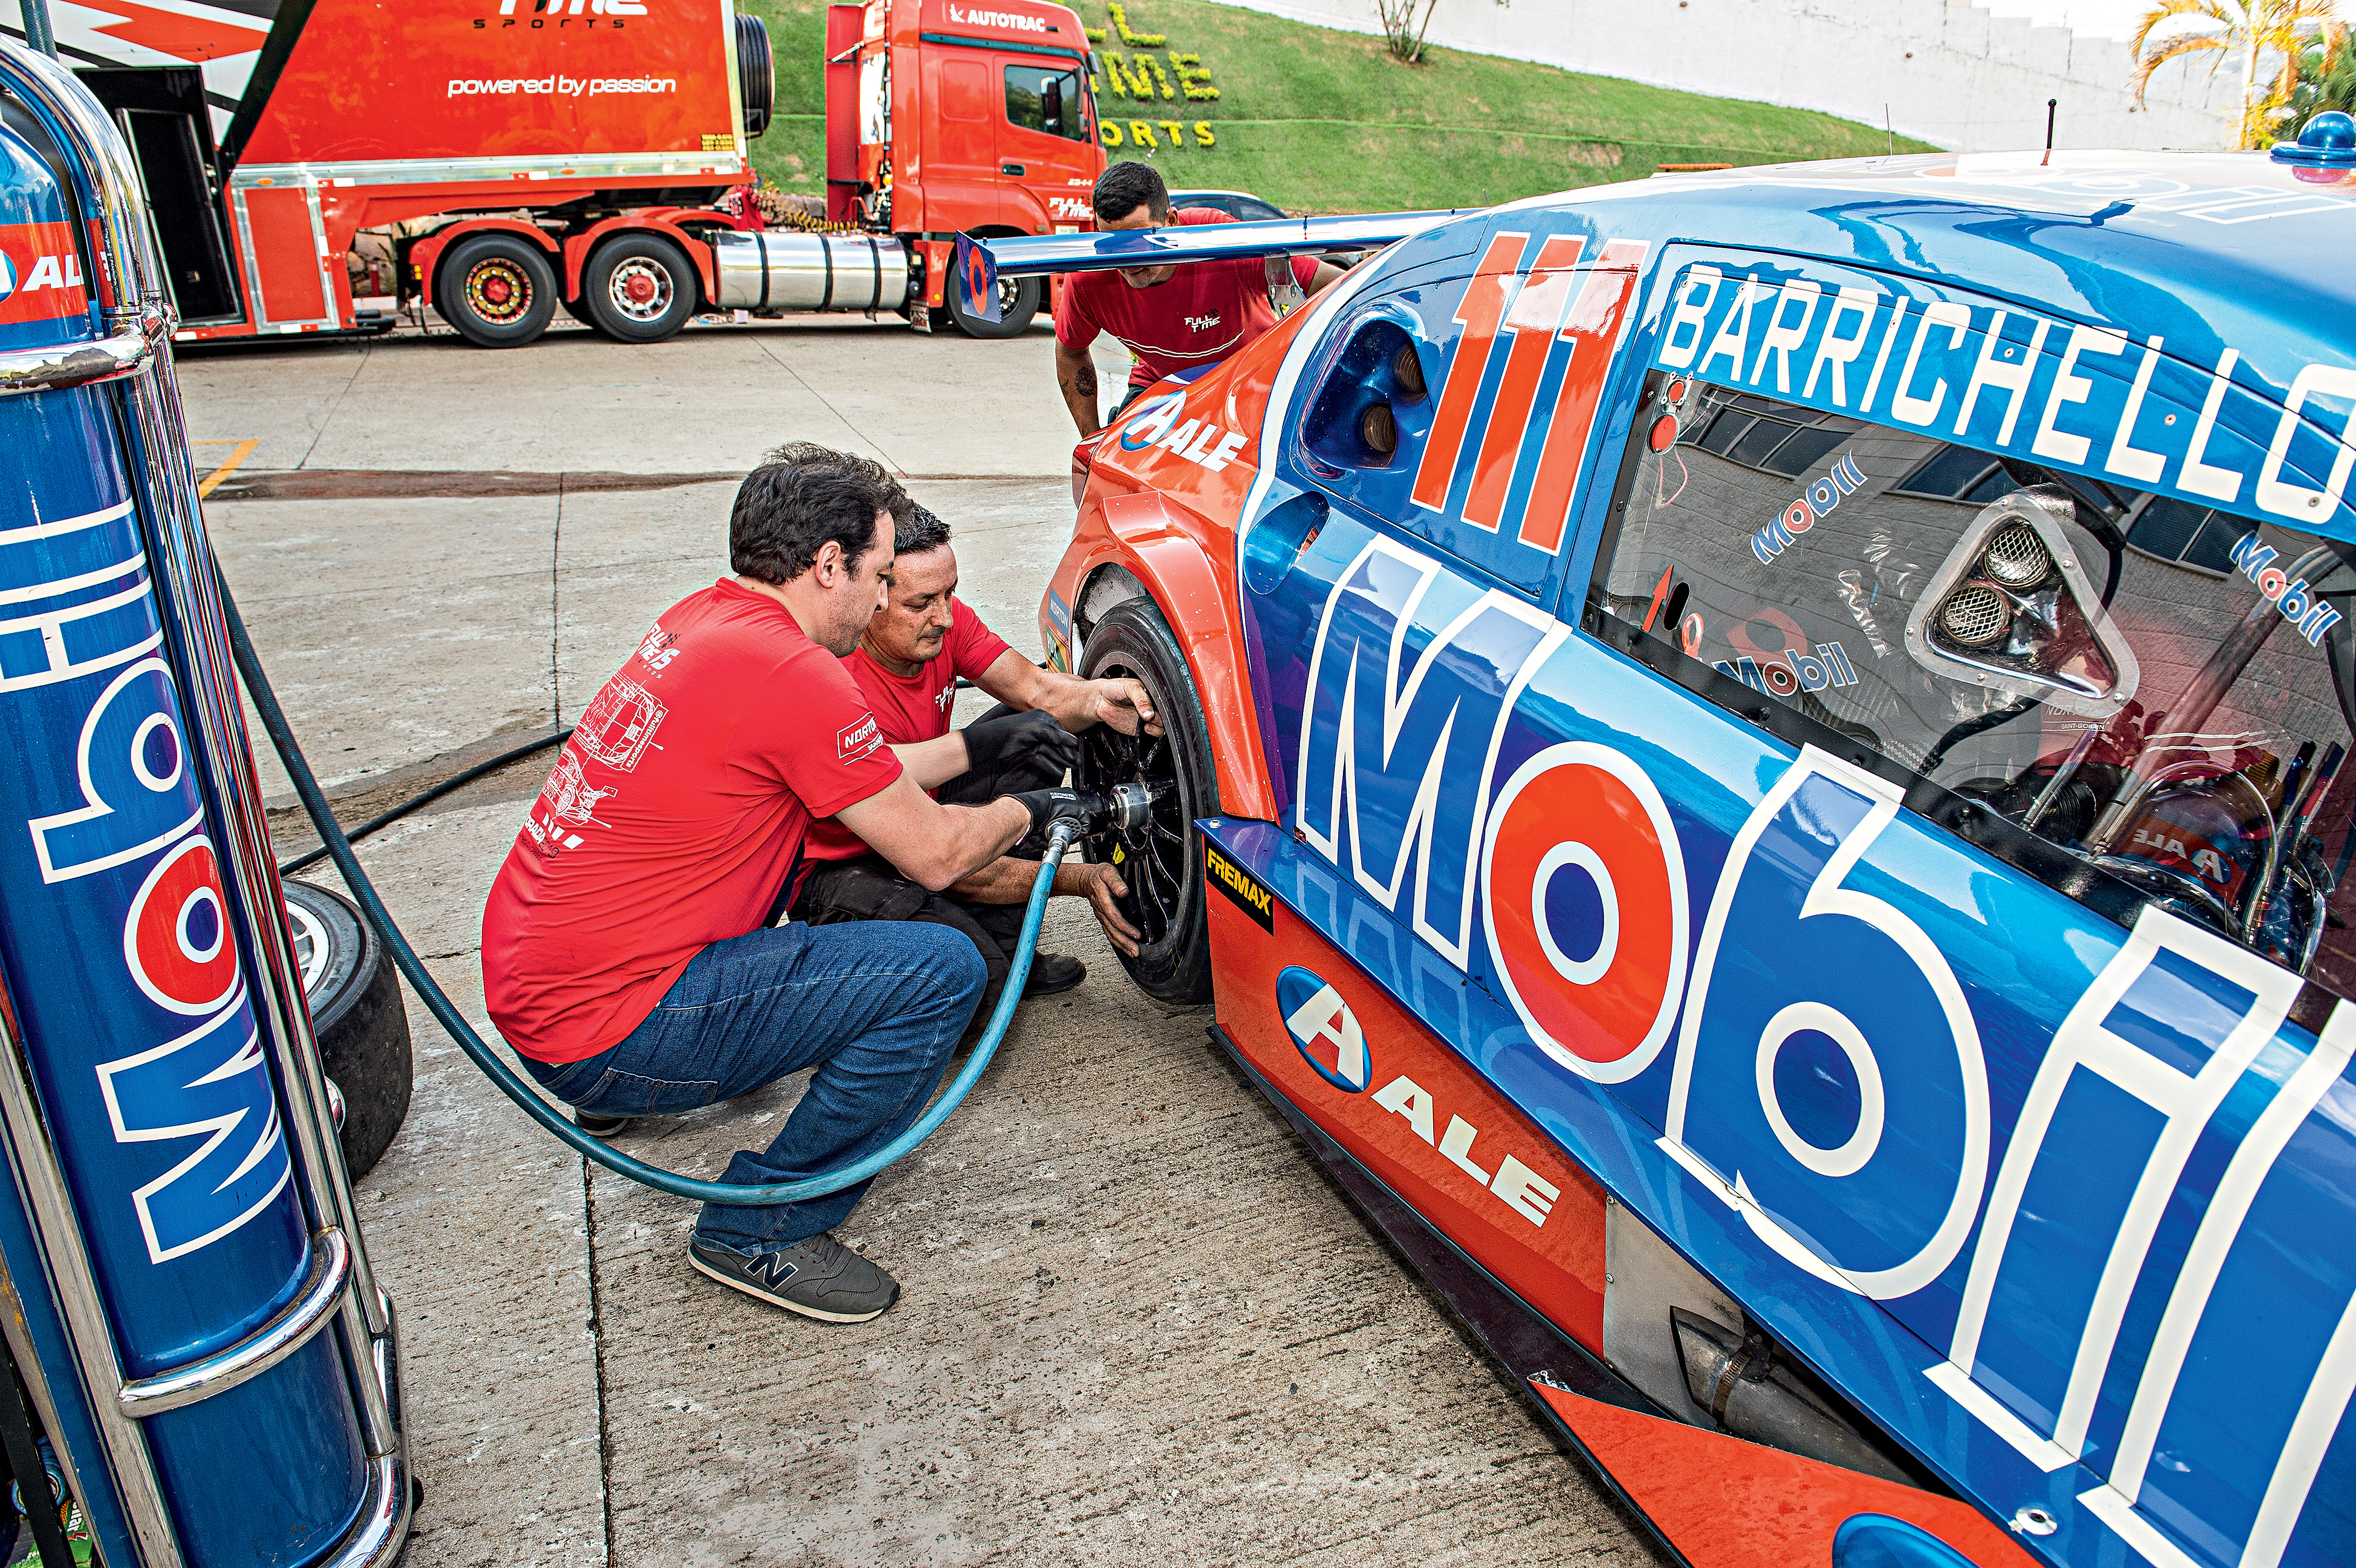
(981, 263)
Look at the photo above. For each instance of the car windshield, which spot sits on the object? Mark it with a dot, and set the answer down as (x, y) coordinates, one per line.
(2159, 691)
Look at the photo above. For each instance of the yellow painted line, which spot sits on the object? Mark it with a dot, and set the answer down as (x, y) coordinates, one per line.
(244, 450)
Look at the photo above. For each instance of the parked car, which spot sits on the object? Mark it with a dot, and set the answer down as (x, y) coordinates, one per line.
(1755, 760)
(1249, 208)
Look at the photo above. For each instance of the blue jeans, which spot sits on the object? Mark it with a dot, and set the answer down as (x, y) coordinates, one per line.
(874, 1007)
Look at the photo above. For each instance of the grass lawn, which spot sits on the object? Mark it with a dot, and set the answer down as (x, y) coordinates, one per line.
(1316, 120)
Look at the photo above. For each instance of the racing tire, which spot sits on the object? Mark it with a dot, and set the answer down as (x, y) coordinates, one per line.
(639, 288)
(497, 291)
(355, 1015)
(1160, 861)
(1018, 302)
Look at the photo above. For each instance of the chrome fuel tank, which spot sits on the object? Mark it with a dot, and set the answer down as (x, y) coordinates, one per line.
(788, 270)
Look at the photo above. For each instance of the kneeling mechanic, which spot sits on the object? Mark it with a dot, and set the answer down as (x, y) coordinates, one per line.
(908, 665)
(628, 954)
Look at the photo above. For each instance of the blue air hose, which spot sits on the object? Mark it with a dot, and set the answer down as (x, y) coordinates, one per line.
(1060, 835)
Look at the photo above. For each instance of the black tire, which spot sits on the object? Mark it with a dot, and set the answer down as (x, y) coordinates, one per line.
(496, 290)
(1018, 302)
(639, 288)
(1161, 861)
(356, 1016)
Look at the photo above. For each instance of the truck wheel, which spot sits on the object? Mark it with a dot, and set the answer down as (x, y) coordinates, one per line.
(1018, 302)
(355, 1015)
(640, 288)
(497, 290)
(1158, 860)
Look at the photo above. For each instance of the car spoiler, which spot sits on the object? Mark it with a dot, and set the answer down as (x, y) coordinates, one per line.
(981, 263)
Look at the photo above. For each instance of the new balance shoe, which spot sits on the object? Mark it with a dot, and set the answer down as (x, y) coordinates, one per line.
(819, 1278)
(1054, 972)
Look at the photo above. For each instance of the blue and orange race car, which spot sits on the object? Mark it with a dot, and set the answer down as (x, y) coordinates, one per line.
(1758, 761)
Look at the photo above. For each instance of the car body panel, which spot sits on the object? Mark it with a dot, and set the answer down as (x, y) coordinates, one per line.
(2095, 1255)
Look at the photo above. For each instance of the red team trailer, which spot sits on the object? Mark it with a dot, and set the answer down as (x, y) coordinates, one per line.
(316, 164)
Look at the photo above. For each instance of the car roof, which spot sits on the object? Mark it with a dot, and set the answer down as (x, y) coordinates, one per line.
(2241, 244)
(1200, 191)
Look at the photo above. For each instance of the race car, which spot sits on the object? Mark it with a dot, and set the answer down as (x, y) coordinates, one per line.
(1756, 759)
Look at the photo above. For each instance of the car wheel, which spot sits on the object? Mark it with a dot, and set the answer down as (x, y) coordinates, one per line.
(1158, 860)
(496, 290)
(1018, 302)
(639, 288)
(356, 1016)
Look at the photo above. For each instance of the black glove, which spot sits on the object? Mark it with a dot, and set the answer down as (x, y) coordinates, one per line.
(1003, 742)
(1085, 807)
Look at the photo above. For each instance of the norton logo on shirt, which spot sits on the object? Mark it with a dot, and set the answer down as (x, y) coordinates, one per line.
(1324, 1027)
(854, 741)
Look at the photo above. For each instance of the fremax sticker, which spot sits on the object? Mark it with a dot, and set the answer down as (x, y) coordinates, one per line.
(1812, 506)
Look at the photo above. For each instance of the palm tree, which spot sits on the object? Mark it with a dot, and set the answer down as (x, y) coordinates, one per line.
(2258, 30)
(2327, 80)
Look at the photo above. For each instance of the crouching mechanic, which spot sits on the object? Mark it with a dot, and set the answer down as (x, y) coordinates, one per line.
(628, 953)
(908, 665)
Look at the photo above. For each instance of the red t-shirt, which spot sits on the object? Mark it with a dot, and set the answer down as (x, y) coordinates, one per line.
(911, 707)
(671, 819)
(1205, 312)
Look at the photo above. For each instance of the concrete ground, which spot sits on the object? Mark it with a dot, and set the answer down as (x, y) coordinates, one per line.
(1138, 1326)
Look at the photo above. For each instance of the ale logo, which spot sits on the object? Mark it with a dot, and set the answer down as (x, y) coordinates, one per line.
(1324, 1028)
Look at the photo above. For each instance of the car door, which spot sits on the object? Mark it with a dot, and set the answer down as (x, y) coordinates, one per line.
(1822, 887)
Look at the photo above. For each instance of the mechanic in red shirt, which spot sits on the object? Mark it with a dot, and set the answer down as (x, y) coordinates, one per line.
(628, 954)
(908, 663)
(1172, 317)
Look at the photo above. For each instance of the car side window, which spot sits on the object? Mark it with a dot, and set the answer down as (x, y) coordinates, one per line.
(1032, 90)
(2159, 691)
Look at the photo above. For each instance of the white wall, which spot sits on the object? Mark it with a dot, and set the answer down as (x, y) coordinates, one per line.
(1950, 74)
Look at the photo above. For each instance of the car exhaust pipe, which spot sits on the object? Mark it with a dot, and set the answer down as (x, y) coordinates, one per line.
(1753, 1392)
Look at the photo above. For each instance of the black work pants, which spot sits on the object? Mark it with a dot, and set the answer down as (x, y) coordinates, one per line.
(869, 888)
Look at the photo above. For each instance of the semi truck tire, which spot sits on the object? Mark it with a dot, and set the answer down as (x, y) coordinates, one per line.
(640, 288)
(356, 1016)
(496, 290)
(1158, 860)
(1018, 302)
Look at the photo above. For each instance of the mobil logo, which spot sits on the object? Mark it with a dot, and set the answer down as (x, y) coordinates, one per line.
(1324, 1027)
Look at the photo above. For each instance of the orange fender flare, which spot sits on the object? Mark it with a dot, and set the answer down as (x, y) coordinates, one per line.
(427, 254)
(1157, 545)
(652, 221)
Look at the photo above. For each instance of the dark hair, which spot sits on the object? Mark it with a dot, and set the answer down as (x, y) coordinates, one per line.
(801, 496)
(1122, 189)
(918, 532)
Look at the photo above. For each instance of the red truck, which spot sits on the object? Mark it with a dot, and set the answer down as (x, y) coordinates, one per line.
(316, 164)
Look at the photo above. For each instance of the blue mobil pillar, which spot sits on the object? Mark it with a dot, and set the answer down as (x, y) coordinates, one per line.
(185, 1291)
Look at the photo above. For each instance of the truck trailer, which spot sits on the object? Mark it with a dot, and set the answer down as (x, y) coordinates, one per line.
(315, 165)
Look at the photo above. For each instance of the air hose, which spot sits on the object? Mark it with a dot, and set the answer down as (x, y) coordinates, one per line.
(338, 846)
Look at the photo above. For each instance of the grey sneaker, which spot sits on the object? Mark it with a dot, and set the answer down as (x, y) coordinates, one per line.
(598, 1126)
(1054, 972)
(819, 1278)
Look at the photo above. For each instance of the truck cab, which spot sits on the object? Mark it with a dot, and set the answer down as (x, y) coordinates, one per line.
(960, 118)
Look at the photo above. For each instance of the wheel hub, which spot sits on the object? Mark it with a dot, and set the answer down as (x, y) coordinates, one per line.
(499, 291)
(1151, 857)
(641, 290)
